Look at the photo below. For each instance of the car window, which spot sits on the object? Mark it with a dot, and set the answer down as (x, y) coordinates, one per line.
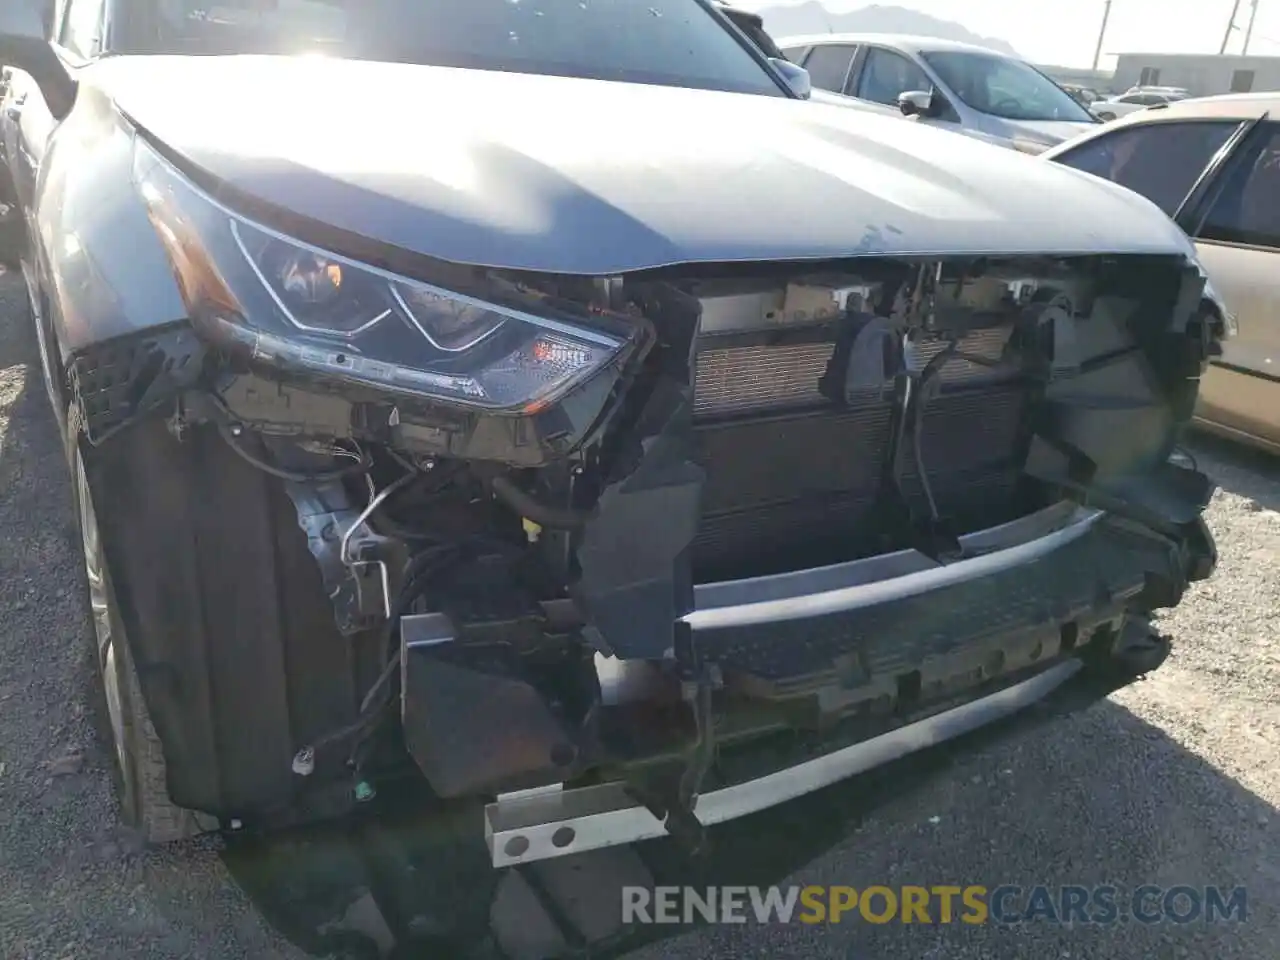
(669, 42)
(1161, 161)
(1004, 87)
(1248, 209)
(828, 65)
(81, 30)
(794, 54)
(887, 75)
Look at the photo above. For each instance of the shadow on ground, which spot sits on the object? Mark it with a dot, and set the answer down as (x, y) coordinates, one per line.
(1093, 796)
(1241, 470)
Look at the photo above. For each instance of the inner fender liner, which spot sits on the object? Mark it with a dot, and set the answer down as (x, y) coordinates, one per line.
(636, 577)
(227, 618)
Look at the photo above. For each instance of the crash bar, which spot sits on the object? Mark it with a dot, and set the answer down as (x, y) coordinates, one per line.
(553, 822)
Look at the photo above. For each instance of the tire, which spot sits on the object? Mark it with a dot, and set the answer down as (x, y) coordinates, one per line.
(139, 763)
(12, 229)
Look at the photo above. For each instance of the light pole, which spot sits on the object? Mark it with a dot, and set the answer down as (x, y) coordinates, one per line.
(1106, 15)
(1235, 8)
(1248, 34)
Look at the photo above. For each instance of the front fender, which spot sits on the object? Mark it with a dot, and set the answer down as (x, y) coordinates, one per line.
(99, 260)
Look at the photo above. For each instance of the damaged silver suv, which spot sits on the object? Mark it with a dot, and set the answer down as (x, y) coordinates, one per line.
(548, 402)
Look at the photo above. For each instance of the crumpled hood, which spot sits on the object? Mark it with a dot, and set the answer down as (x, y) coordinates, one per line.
(594, 177)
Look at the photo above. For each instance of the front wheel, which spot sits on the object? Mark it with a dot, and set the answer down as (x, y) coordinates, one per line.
(138, 757)
(12, 234)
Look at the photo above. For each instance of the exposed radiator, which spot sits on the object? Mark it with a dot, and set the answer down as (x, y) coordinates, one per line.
(738, 379)
(788, 471)
(735, 380)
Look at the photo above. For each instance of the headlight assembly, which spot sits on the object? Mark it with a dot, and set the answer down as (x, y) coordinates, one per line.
(494, 345)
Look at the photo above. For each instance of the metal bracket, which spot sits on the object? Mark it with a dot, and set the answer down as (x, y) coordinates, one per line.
(360, 591)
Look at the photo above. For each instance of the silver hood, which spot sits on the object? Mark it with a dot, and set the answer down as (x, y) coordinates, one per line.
(595, 177)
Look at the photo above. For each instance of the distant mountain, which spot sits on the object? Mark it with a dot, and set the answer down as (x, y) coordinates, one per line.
(812, 17)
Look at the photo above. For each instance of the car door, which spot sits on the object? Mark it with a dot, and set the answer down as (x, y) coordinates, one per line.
(829, 65)
(882, 75)
(1194, 169)
(1238, 238)
(1163, 160)
(77, 28)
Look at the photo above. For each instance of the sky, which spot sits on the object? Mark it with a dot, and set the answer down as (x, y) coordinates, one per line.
(1065, 32)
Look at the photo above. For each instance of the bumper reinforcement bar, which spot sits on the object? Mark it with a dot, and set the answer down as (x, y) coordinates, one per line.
(552, 822)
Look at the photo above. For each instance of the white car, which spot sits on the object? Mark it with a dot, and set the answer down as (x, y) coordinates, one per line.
(1135, 100)
(955, 86)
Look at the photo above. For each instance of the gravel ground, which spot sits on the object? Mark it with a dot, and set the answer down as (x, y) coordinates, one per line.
(1173, 780)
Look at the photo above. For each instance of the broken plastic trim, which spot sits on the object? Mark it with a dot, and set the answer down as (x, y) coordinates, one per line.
(636, 581)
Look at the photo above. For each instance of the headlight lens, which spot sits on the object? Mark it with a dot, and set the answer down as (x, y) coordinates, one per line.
(314, 291)
(448, 322)
(295, 305)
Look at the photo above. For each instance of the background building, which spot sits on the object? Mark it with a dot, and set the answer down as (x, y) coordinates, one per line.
(1200, 73)
(1100, 80)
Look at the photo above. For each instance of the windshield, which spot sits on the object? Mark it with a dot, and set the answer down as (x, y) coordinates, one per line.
(669, 42)
(1004, 87)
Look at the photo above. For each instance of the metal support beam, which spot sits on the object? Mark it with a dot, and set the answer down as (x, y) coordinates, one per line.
(1235, 9)
(1248, 34)
(1106, 15)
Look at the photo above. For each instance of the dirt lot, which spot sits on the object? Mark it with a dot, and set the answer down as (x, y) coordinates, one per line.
(1174, 780)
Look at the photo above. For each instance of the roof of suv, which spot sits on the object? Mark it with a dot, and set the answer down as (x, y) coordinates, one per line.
(1229, 106)
(1224, 105)
(898, 41)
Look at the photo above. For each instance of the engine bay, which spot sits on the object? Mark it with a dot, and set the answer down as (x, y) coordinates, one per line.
(778, 416)
(774, 420)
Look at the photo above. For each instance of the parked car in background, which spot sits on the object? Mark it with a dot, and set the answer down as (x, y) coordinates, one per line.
(954, 86)
(1138, 98)
(597, 431)
(1085, 96)
(1213, 165)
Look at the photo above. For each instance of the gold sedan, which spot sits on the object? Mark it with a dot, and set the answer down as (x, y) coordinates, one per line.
(1213, 165)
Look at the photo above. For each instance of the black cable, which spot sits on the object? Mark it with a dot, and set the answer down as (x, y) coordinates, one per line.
(442, 477)
(416, 573)
(556, 518)
(931, 370)
(419, 570)
(113, 431)
(389, 526)
(295, 476)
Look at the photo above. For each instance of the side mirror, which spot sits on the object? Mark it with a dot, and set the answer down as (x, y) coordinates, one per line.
(922, 103)
(797, 77)
(25, 26)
